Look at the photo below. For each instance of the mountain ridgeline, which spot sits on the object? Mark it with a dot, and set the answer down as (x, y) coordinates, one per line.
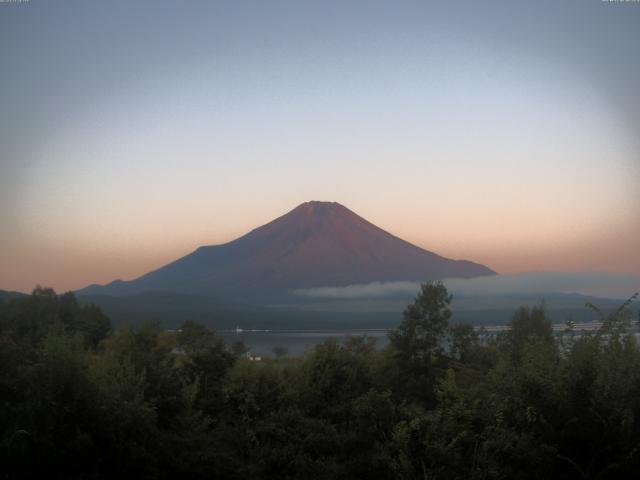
(316, 244)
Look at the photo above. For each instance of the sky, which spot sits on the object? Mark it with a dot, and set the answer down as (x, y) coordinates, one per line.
(132, 132)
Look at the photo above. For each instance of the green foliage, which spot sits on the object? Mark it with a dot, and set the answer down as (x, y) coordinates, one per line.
(80, 400)
(418, 338)
(418, 342)
(279, 351)
(528, 327)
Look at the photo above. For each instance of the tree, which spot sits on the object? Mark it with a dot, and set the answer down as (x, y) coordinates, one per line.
(463, 339)
(418, 342)
(529, 327)
(279, 351)
(207, 361)
(92, 324)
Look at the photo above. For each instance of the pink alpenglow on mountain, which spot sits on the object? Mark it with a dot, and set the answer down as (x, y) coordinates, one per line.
(316, 244)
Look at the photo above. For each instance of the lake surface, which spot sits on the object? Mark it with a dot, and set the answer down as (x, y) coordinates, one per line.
(297, 342)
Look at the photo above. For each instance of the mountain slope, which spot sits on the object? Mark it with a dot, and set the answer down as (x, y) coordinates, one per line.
(316, 244)
(6, 295)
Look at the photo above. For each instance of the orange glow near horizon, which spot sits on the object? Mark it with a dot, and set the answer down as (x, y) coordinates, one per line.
(75, 265)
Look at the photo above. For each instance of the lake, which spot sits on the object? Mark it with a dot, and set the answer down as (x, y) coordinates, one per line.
(297, 342)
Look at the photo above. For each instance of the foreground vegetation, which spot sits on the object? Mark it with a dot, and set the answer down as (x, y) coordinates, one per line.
(79, 399)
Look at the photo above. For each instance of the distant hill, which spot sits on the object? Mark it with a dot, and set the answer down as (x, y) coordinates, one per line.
(315, 244)
(9, 295)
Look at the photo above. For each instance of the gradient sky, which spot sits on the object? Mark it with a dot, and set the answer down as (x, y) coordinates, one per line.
(132, 132)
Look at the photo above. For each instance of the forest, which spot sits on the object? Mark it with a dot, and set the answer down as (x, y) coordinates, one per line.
(81, 399)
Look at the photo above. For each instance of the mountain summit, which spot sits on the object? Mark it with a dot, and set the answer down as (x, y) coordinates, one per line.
(315, 244)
